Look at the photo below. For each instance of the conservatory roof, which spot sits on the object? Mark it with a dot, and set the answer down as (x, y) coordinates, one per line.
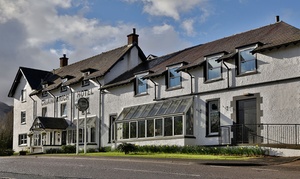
(158, 109)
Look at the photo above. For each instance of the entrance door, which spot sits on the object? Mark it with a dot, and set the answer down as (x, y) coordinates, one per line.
(246, 121)
(64, 138)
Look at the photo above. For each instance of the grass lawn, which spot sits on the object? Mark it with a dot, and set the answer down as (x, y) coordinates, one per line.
(159, 155)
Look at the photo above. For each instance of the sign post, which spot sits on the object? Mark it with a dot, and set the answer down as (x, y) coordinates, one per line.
(82, 105)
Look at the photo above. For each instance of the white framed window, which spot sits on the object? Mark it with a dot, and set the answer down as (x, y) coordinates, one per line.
(23, 117)
(213, 118)
(213, 68)
(173, 77)
(23, 95)
(111, 130)
(63, 88)
(85, 83)
(140, 85)
(22, 139)
(63, 109)
(44, 112)
(247, 61)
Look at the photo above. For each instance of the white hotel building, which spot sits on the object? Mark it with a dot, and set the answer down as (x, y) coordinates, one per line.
(241, 89)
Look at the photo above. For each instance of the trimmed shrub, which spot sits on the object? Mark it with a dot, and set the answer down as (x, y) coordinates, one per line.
(6, 152)
(68, 149)
(127, 147)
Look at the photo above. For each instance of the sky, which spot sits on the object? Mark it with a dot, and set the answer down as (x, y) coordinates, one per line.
(36, 33)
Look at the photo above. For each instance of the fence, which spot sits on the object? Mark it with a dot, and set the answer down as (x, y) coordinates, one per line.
(260, 134)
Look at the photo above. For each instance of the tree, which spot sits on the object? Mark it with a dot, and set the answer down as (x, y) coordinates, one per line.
(6, 131)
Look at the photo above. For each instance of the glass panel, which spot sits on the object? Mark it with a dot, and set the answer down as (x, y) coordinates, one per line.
(132, 129)
(173, 107)
(178, 125)
(123, 114)
(214, 117)
(158, 127)
(131, 112)
(93, 134)
(154, 109)
(212, 63)
(214, 73)
(138, 112)
(141, 130)
(183, 105)
(247, 61)
(150, 128)
(168, 126)
(141, 85)
(174, 77)
(189, 123)
(164, 107)
(125, 130)
(147, 110)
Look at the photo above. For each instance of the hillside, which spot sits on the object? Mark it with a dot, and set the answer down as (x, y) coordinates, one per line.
(4, 108)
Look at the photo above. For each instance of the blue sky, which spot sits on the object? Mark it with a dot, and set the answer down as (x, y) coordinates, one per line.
(36, 33)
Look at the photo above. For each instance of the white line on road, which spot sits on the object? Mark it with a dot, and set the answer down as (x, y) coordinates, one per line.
(156, 172)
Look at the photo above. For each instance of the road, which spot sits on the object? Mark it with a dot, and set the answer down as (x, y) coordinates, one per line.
(42, 167)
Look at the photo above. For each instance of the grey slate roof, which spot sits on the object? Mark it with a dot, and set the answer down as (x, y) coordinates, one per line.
(33, 76)
(52, 123)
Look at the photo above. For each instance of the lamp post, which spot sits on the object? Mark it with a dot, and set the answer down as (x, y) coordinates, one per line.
(82, 105)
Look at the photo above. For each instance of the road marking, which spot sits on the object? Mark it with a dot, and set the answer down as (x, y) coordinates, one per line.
(261, 169)
(156, 172)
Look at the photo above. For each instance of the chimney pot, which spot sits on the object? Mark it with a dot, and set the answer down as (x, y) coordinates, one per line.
(133, 38)
(277, 18)
(63, 60)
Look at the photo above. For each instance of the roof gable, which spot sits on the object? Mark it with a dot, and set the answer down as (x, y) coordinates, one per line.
(49, 123)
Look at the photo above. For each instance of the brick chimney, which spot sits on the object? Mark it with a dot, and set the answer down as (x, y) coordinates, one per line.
(133, 38)
(63, 61)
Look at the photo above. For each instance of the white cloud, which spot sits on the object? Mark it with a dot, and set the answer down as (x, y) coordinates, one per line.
(170, 8)
(188, 26)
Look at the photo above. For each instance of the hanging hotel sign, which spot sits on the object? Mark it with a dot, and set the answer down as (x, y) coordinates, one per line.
(82, 104)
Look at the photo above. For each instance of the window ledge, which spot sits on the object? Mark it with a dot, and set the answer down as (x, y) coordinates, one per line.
(212, 135)
(213, 80)
(141, 94)
(247, 73)
(23, 123)
(174, 88)
(23, 145)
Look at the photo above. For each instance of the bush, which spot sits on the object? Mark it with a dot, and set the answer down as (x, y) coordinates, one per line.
(68, 149)
(127, 147)
(54, 151)
(6, 152)
(105, 149)
(91, 150)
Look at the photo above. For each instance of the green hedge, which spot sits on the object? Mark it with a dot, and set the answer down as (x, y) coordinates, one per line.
(200, 150)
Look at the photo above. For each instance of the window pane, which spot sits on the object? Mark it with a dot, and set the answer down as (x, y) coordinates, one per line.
(158, 127)
(125, 130)
(189, 123)
(138, 112)
(173, 107)
(132, 129)
(150, 128)
(124, 113)
(212, 63)
(214, 117)
(178, 125)
(63, 109)
(214, 73)
(174, 77)
(168, 126)
(164, 107)
(183, 105)
(141, 85)
(247, 61)
(23, 117)
(141, 130)
(131, 112)
(154, 109)
(147, 110)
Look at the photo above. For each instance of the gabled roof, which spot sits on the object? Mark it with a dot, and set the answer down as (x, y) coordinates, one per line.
(33, 77)
(268, 37)
(50, 123)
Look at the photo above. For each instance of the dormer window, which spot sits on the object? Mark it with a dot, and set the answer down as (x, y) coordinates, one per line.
(63, 88)
(63, 80)
(213, 68)
(86, 74)
(247, 61)
(85, 83)
(173, 79)
(140, 85)
(44, 94)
